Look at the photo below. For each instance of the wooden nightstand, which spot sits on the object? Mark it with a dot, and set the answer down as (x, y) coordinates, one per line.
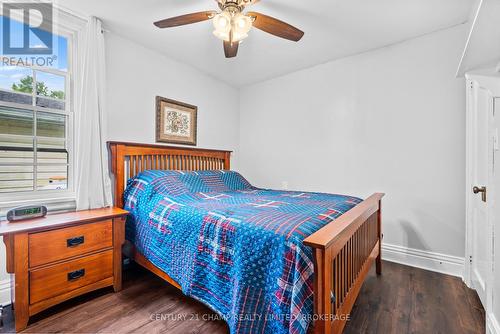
(62, 256)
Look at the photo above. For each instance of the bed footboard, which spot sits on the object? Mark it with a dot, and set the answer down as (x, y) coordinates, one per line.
(344, 251)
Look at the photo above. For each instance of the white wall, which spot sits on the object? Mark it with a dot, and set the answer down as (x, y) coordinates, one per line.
(136, 75)
(390, 120)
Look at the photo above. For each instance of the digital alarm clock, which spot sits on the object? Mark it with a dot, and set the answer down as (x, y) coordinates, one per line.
(26, 212)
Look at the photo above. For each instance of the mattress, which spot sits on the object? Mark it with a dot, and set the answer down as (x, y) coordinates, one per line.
(237, 248)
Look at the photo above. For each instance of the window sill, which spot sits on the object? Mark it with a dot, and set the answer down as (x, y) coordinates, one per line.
(56, 204)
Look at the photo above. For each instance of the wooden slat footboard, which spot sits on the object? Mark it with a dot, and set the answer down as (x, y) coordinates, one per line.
(344, 251)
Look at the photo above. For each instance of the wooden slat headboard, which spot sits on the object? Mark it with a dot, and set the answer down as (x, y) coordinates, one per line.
(129, 159)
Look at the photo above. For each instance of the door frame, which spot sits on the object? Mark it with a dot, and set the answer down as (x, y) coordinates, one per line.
(492, 86)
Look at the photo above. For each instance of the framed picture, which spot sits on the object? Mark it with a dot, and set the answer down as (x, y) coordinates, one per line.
(176, 122)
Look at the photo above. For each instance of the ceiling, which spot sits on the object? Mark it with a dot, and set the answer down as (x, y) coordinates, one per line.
(333, 29)
(481, 50)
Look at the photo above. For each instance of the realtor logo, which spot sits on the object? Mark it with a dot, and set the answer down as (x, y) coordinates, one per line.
(42, 29)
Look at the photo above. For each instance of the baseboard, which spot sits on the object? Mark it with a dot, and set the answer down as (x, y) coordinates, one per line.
(492, 324)
(446, 264)
(5, 298)
(441, 263)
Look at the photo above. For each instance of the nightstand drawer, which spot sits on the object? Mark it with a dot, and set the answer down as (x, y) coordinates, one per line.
(67, 276)
(47, 247)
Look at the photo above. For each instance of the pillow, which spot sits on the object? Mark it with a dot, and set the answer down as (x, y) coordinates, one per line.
(178, 183)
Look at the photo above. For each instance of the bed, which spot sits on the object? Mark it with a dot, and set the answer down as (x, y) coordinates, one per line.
(267, 261)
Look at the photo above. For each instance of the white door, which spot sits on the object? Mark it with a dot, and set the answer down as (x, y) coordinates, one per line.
(481, 162)
(495, 216)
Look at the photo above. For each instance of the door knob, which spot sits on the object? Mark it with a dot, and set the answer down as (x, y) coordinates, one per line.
(481, 190)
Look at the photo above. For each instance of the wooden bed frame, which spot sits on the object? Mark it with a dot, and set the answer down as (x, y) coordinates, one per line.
(344, 250)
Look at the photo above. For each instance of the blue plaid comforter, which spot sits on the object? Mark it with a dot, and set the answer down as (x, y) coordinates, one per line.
(234, 247)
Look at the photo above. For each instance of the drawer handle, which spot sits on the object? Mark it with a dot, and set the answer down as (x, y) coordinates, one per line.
(74, 275)
(73, 242)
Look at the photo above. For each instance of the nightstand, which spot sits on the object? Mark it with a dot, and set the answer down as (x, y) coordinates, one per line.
(62, 256)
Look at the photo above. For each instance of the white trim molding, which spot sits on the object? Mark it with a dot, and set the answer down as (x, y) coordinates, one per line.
(5, 296)
(441, 263)
(492, 324)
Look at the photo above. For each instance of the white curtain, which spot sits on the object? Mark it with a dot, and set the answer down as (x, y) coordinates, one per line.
(93, 184)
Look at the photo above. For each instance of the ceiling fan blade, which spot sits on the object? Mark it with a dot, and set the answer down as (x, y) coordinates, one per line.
(185, 19)
(231, 49)
(276, 27)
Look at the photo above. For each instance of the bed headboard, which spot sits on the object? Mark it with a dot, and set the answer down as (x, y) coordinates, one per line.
(129, 159)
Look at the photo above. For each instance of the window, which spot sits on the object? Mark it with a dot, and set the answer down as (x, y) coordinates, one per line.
(36, 122)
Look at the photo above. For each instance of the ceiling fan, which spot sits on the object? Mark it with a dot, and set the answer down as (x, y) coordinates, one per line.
(232, 25)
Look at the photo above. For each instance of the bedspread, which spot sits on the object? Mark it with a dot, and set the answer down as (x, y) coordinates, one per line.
(236, 248)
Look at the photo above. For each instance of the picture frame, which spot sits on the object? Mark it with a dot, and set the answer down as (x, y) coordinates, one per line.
(176, 122)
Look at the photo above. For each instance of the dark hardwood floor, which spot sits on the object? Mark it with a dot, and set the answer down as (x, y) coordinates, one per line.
(402, 300)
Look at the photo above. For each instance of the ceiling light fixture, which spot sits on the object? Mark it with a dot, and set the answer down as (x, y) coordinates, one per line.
(222, 25)
(232, 26)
